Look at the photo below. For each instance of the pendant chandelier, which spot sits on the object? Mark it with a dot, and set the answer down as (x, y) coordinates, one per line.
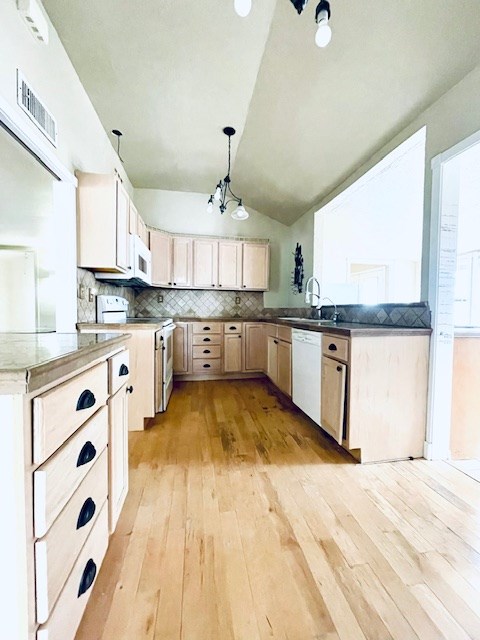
(223, 192)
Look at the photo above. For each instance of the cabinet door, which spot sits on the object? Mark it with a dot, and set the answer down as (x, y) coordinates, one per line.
(142, 231)
(117, 455)
(272, 359)
(123, 228)
(161, 248)
(133, 219)
(180, 348)
(284, 357)
(229, 264)
(182, 262)
(205, 263)
(255, 347)
(232, 353)
(255, 266)
(333, 397)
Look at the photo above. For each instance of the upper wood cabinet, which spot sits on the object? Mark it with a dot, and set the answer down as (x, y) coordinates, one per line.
(161, 248)
(182, 262)
(103, 222)
(255, 268)
(205, 263)
(229, 264)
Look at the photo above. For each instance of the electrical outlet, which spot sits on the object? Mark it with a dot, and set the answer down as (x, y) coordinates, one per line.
(159, 297)
(81, 292)
(91, 294)
(237, 299)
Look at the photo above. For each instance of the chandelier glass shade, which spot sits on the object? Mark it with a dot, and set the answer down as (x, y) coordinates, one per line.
(223, 192)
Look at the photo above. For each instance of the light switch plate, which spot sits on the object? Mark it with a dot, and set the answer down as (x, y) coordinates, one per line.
(237, 300)
(159, 297)
(81, 292)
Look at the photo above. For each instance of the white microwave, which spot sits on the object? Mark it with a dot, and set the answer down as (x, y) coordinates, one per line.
(140, 269)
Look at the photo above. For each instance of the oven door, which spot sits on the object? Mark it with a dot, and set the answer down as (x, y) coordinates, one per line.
(167, 363)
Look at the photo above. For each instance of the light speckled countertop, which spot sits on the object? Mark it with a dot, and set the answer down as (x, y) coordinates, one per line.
(30, 360)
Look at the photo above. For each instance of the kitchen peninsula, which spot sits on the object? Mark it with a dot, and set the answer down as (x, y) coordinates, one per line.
(64, 475)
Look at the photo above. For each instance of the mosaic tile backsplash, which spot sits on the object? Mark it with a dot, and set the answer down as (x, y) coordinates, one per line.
(86, 311)
(153, 303)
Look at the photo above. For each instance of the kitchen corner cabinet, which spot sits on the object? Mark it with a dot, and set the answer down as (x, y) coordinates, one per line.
(255, 268)
(382, 386)
(103, 222)
(161, 248)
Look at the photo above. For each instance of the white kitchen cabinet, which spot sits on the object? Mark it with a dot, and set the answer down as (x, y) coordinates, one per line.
(181, 357)
(117, 454)
(255, 266)
(333, 397)
(182, 262)
(161, 248)
(230, 264)
(205, 263)
(103, 215)
(233, 347)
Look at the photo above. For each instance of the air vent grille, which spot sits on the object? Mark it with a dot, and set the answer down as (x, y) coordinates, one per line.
(36, 110)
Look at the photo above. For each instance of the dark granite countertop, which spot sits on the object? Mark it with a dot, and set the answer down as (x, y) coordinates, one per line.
(31, 360)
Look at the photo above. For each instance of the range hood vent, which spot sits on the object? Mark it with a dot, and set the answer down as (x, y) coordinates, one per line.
(35, 109)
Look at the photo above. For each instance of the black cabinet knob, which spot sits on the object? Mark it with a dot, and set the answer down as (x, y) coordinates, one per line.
(339, 368)
(87, 454)
(130, 389)
(206, 328)
(85, 400)
(86, 513)
(206, 340)
(206, 366)
(123, 371)
(206, 351)
(88, 576)
(332, 347)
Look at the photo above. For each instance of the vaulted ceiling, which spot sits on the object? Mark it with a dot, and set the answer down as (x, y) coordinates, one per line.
(170, 74)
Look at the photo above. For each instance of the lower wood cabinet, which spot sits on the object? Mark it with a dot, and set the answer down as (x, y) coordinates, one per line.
(232, 353)
(255, 346)
(332, 403)
(279, 364)
(181, 348)
(57, 528)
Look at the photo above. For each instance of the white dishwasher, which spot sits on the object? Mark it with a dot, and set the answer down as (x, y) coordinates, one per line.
(307, 371)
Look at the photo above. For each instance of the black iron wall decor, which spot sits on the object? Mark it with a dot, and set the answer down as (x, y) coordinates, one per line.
(297, 275)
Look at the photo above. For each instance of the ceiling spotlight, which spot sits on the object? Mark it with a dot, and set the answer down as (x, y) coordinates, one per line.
(322, 16)
(242, 7)
(223, 192)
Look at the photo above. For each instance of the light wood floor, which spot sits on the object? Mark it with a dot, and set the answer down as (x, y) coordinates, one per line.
(244, 522)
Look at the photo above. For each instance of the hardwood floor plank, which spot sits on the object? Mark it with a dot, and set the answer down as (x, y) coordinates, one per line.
(245, 521)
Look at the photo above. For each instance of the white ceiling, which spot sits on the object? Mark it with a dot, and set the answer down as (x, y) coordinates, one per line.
(171, 74)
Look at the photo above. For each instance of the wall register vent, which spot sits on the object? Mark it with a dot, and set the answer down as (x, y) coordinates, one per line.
(35, 109)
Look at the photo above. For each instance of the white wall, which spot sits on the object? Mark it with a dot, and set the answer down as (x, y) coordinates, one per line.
(450, 119)
(82, 142)
(179, 212)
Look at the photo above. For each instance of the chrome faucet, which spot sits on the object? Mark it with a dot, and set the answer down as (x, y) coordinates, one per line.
(309, 294)
(335, 312)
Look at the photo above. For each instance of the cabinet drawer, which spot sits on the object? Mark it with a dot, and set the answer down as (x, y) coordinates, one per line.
(56, 553)
(206, 351)
(335, 347)
(62, 410)
(284, 333)
(202, 365)
(56, 480)
(68, 611)
(271, 330)
(233, 327)
(118, 371)
(207, 327)
(215, 338)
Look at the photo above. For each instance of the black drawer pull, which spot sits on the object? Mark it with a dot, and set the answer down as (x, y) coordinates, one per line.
(206, 328)
(206, 366)
(86, 400)
(88, 576)
(332, 347)
(130, 389)
(87, 454)
(123, 370)
(206, 340)
(206, 351)
(339, 368)
(233, 328)
(86, 513)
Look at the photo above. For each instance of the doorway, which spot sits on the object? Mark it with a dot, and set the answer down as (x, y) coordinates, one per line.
(453, 431)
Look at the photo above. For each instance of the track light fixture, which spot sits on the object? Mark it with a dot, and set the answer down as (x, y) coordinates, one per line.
(242, 7)
(322, 16)
(223, 192)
